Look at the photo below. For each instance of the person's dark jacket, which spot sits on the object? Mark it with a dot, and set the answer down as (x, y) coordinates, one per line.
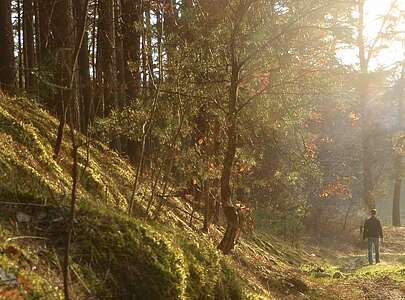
(372, 228)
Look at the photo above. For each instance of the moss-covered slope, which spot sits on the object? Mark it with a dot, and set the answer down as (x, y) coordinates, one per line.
(113, 256)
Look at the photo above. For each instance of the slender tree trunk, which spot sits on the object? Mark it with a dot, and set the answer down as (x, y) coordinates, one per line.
(70, 221)
(45, 21)
(29, 56)
(105, 54)
(7, 61)
(85, 85)
(132, 16)
(396, 201)
(70, 106)
(74, 122)
(145, 83)
(396, 211)
(170, 21)
(121, 62)
(149, 47)
(208, 206)
(231, 214)
(95, 103)
(19, 37)
(131, 32)
(46, 53)
(63, 44)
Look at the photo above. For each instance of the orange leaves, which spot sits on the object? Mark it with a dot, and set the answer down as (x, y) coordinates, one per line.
(10, 294)
(335, 189)
(354, 118)
(312, 150)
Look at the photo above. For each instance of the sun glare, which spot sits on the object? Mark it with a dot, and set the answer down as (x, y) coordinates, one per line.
(393, 51)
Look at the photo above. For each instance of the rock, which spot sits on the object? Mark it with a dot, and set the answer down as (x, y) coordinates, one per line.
(23, 217)
(41, 215)
(298, 284)
(7, 278)
(337, 275)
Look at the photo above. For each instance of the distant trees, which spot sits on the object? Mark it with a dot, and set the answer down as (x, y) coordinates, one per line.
(367, 51)
(7, 61)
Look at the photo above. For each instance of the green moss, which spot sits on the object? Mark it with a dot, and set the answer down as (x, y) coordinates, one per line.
(204, 268)
(20, 196)
(396, 272)
(136, 261)
(114, 256)
(229, 286)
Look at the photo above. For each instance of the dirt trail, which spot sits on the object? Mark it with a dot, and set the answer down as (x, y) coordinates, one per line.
(347, 275)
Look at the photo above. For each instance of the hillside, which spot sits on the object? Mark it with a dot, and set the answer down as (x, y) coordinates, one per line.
(117, 257)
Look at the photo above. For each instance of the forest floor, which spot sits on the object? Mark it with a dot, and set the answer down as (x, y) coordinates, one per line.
(342, 271)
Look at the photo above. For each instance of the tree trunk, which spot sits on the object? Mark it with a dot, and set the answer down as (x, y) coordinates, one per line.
(28, 48)
(63, 44)
(105, 55)
(44, 19)
(132, 16)
(170, 20)
(85, 85)
(7, 61)
(231, 214)
(208, 206)
(19, 45)
(396, 201)
(396, 211)
(149, 46)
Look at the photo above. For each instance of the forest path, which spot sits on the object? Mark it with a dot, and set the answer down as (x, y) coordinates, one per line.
(346, 274)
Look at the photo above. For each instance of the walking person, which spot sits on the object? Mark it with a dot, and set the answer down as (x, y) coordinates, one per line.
(373, 232)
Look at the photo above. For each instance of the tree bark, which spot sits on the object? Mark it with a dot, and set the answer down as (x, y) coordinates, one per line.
(170, 21)
(105, 55)
(85, 85)
(19, 45)
(7, 61)
(231, 214)
(132, 18)
(396, 211)
(28, 45)
(63, 45)
(396, 200)
(208, 206)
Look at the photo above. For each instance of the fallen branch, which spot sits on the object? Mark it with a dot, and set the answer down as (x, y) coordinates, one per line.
(26, 237)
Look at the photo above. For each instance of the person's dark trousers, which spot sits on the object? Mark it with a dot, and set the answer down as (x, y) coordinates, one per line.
(373, 244)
